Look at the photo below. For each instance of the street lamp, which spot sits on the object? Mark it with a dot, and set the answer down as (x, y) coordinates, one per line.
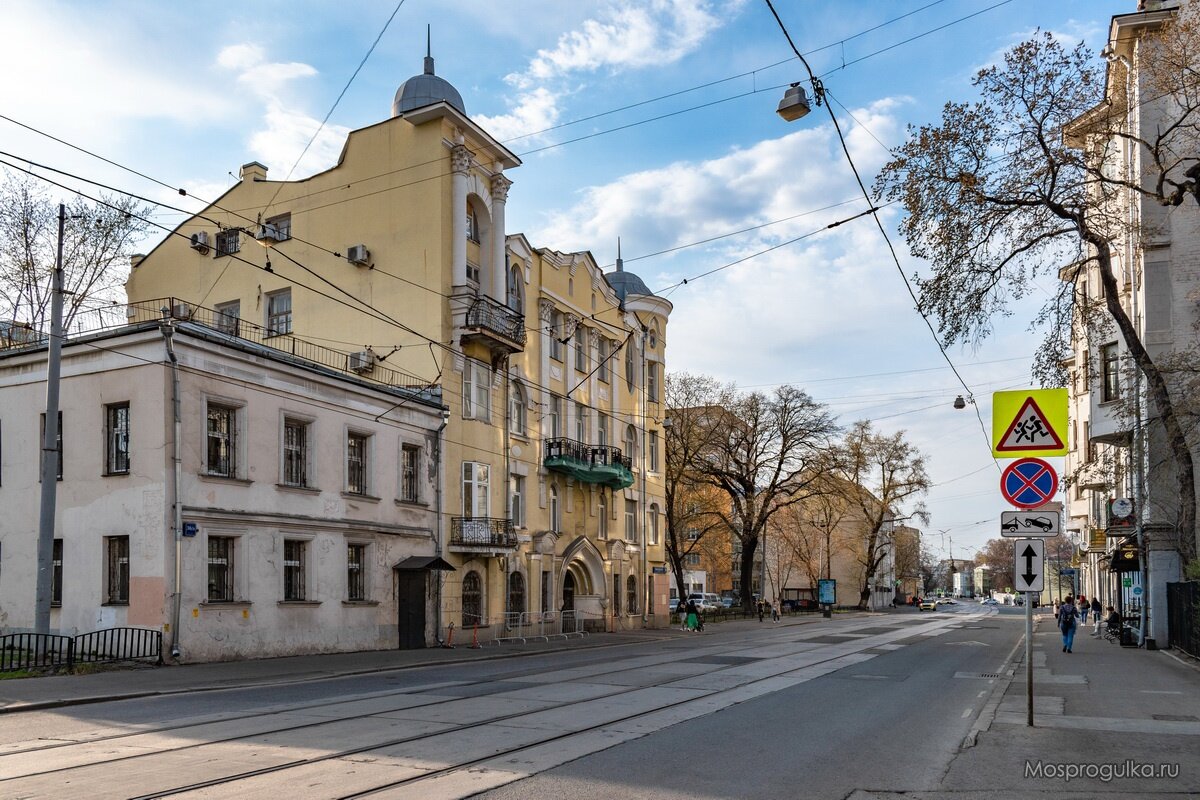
(794, 104)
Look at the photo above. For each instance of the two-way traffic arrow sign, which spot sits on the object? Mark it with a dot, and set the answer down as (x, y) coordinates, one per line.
(1029, 564)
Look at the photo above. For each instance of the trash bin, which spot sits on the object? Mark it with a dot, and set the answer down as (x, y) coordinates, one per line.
(1129, 637)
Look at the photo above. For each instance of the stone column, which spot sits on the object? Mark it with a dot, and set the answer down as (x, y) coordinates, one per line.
(460, 163)
(500, 186)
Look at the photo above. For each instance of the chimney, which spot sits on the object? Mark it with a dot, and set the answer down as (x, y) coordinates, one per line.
(254, 171)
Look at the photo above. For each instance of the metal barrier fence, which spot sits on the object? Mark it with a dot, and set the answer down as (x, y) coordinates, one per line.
(1183, 616)
(521, 626)
(29, 650)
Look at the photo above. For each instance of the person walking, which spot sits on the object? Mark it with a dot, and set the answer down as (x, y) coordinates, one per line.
(775, 611)
(683, 612)
(693, 617)
(1067, 615)
(1096, 610)
(1084, 608)
(760, 610)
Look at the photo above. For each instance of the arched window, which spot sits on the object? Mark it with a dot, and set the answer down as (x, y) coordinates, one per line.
(516, 292)
(555, 519)
(629, 375)
(630, 445)
(602, 513)
(472, 600)
(516, 408)
(653, 337)
(631, 592)
(516, 592)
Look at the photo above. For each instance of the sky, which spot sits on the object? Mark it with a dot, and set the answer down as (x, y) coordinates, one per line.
(648, 120)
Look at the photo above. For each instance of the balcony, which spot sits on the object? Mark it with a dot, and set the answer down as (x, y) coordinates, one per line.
(482, 535)
(589, 463)
(494, 324)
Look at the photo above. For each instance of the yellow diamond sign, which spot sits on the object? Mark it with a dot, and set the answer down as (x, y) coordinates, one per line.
(1029, 422)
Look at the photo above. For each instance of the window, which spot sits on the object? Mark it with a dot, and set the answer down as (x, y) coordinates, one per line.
(653, 450)
(58, 445)
(581, 422)
(652, 382)
(410, 462)
(56, 574)
(631, 520)
(602, 430)
(516, 292)
(654, 524)
(516, 509)
(477, 391)
(616, 595)
(556, 335)
(653, 338)
(516, 409)
(280, 227)
(228, 316)
(630, 442)
(1087, 441)
(356, 463)
(581, 358)
(692, 559)
(629, 374)
(473, 273)
(602, 355)
(472, 600)
(220, 569)
(554, 417)
(602, 513)
(221, 444)
(555, 518)
(294, 552)
(1110, 373)
(279, 313)
(229, 242)
(116, 439)
(631, 602)
(516, 592)
(547, 586)
(356, 572)
(116, 573)
(475, 489)
(295, 452)
(472, 227)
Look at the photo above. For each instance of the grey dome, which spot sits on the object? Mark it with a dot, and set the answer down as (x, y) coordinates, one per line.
(425, 90)
(626, 283)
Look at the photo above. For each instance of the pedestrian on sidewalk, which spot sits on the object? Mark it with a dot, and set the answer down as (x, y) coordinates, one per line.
(1084, 608)
(683, 612)
(693, 617)
(1096, 610)
(1067, 615)
(775, 612)
(760, 610)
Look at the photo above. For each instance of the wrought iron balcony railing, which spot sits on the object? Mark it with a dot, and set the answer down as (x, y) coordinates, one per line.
(484, 532)
(487, 314)
(590, 463)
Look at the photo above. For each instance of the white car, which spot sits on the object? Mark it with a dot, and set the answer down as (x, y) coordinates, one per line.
(704, 602)
(989, 601)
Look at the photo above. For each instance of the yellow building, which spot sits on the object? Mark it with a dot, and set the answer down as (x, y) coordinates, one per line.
(550, 492)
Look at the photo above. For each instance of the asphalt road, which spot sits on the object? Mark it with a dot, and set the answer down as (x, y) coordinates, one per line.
(747, 710)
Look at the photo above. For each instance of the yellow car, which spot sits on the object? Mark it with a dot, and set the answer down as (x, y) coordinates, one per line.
(928, 604)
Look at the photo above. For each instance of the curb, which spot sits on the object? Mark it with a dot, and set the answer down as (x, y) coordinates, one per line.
(992, 705)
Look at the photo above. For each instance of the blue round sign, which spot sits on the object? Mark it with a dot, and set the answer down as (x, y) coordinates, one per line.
(1029, 483)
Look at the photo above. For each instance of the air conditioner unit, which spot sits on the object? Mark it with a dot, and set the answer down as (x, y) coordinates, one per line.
(269, 233)
(358, 255)
(181, 311)
(361, 362)
(200, 242)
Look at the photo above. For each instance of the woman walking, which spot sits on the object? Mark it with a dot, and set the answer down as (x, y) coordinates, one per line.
(1067, 614)
(1096, 609)
(693, 617)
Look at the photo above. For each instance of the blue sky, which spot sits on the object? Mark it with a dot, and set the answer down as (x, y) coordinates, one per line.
(187, 92)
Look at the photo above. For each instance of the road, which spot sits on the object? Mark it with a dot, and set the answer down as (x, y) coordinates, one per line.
(745, 710)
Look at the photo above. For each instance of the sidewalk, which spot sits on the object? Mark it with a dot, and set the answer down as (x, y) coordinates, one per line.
(1105, 718)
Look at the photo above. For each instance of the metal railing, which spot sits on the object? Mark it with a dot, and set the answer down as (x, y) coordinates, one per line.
(34, 650)
(482, 532)
(521, 626)
(486, 313)
(593, 454)
(1183, 616)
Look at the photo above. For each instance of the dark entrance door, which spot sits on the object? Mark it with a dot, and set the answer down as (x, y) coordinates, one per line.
(568, 592)
(410, 607)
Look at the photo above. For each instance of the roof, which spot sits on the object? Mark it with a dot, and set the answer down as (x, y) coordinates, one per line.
(424, 562)
(425, 90)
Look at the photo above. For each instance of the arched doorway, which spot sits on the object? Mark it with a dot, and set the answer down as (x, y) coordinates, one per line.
(568, 592)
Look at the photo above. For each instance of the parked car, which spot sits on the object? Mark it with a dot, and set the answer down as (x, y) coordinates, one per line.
(706, 601)
(728, 602)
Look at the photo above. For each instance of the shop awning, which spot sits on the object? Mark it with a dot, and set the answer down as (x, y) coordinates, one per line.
(424, 562)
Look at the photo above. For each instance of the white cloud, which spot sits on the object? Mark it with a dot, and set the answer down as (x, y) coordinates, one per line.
(535, 111)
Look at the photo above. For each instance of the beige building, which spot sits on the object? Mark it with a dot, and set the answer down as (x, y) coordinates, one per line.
(550, 494)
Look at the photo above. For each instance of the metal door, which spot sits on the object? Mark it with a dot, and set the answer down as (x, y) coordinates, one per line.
(410, 608)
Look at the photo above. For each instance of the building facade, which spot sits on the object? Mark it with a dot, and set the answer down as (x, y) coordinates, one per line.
(293, 523)
(552, 370)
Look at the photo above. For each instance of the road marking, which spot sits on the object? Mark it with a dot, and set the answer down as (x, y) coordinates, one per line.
(966, 713)
(981, 694)
(1158, 691)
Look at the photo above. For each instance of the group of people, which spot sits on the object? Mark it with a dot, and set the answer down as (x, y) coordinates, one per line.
(690, 618)
(1070, 613)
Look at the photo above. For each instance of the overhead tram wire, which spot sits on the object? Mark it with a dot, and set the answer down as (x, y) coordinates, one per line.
(818, 91)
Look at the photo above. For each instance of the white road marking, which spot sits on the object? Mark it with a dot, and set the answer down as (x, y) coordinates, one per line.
(966, 713)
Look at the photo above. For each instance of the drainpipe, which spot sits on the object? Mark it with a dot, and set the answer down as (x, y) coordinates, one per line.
(645, 466)
(437, 529)
(168, 332)
(507, 476)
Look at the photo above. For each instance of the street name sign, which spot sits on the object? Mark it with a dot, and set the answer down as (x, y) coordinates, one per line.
(1029, 422)
(1043, 522)
(1029, 483)
(1029, 565)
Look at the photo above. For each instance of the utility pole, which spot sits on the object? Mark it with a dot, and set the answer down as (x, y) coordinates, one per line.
(50, 456)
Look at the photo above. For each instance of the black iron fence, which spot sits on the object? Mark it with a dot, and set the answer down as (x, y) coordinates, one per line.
(1183, 616)
(482, 531)
(31, 650)
(488, 314)
(593, 454)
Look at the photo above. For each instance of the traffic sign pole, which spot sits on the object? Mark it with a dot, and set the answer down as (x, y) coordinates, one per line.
(1029, 658)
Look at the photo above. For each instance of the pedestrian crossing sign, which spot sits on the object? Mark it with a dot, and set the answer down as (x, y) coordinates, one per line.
(1029, 422)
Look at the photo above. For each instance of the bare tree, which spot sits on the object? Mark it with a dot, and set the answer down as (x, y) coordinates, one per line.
(97, 242)
(881, 475)
(763, 453)
(1030, 180)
